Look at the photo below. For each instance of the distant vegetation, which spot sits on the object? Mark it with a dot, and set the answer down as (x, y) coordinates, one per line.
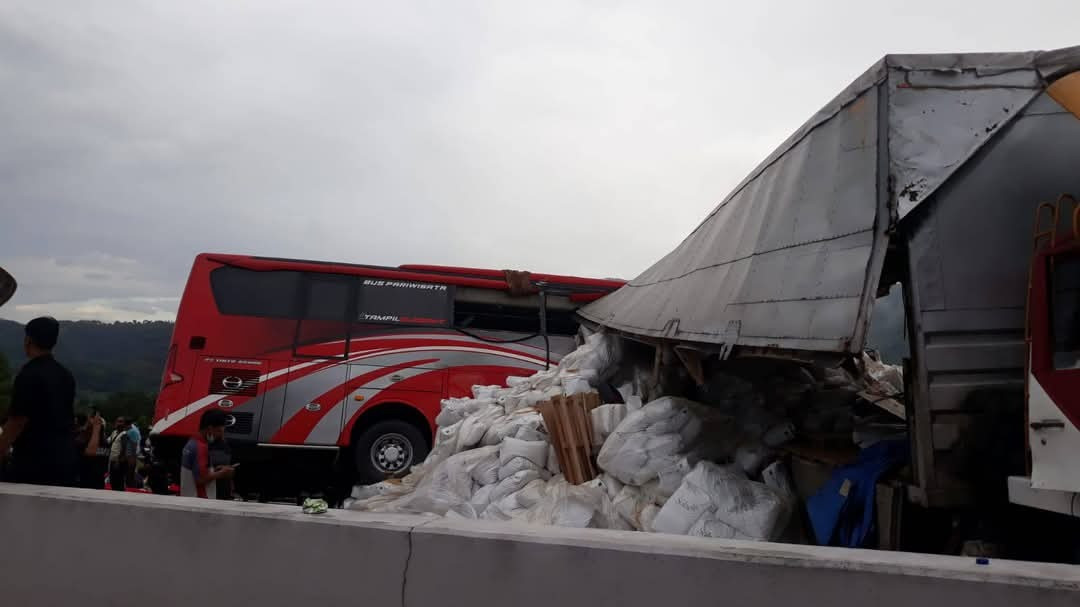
(117, 365)
(887, 333)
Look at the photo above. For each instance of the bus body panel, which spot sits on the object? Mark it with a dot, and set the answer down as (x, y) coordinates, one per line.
(299, 379)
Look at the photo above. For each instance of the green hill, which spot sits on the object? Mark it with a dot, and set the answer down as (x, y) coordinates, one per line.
(117, 365)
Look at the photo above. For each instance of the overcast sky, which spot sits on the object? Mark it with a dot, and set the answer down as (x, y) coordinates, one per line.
(573, 137)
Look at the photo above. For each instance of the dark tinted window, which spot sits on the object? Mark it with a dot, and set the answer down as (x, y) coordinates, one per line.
(327, 297)
(1065, 302)
(249, 293)
(404, 302)
(495, 317)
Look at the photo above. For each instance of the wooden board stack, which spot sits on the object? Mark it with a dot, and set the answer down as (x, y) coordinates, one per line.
(568, 420)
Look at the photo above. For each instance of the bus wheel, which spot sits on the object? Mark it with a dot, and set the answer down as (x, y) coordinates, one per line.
(387, 450)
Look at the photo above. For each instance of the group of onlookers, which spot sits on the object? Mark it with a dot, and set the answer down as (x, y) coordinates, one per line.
(44, 443)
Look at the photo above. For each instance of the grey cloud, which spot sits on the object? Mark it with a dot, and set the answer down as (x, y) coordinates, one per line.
(566, 137)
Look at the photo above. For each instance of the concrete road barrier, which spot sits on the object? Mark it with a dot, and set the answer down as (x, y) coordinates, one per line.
(89, 548)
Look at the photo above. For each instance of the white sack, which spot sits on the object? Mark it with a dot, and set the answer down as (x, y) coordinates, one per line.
(513, 483)
(738, 508)
(647, 444)
(516, 505)
(481, 498)
(648, 515)
(534, 451)
(486, 471)
(448, 484)
(686, 506)
(605, 419)
(553, 461)
(486, 392)
(567, 505)
(476, 425)
(512, 424)
(457, 409)
(515, 465)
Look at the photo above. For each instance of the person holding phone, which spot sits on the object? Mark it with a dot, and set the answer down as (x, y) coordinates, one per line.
(90, 444)
(198, 477)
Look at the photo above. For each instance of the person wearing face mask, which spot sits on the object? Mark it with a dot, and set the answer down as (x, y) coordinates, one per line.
(197, 477)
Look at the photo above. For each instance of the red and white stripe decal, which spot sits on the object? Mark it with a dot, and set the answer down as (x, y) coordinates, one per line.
(299, 427)
(274, 379)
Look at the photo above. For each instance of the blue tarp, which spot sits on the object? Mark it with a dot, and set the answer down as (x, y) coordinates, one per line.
(842, 512)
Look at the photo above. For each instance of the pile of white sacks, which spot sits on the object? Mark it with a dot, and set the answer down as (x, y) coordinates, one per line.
(492, 460)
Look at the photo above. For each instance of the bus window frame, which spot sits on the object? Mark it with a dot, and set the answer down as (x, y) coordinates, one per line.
(303, 302)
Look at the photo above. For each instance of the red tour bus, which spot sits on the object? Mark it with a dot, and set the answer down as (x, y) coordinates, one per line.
(316, 361)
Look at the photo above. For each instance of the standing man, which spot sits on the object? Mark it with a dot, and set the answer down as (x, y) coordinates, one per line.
(198, 477)
(40, 421)
(121, 455)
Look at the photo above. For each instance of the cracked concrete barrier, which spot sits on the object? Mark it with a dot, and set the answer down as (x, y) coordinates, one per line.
(74, 547)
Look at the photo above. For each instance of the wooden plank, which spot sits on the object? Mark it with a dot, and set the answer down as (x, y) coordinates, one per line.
(569, 424)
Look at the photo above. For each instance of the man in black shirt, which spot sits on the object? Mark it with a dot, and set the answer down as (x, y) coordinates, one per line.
(40, 421)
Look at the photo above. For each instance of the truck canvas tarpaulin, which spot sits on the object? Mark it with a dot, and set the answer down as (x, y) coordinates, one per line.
(793, 256)
(7, 286)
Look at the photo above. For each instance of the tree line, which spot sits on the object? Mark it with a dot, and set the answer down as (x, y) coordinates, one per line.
(117, 366)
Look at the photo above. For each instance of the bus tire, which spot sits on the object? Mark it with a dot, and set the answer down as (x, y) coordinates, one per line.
(388, 449)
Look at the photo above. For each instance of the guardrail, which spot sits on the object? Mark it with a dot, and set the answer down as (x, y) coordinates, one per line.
(88, 548)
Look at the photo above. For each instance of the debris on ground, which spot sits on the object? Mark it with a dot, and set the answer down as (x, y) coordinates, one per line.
(722, 458)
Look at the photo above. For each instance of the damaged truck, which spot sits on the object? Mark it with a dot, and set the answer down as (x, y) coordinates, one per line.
(953, 180)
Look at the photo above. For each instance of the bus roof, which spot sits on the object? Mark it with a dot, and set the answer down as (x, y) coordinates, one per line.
(583, 289)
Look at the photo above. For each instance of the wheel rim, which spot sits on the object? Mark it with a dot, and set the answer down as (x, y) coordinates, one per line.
(391, 453)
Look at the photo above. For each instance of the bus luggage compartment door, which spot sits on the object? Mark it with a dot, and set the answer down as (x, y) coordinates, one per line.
(311, 413)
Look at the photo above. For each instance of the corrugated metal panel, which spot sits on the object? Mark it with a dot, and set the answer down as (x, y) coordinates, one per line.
(791, 257)
(969, 249)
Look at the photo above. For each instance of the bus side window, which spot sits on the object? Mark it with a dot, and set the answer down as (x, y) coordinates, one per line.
(1065, 311)
(323, 329)
(496, 317)
(241, 292)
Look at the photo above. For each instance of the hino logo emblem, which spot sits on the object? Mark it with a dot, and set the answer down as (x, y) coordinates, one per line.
(225, 403)
(230, 421)
(232, 382)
